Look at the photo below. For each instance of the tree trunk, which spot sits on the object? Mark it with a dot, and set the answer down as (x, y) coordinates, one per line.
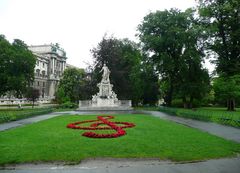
(33, 103)
(169, 96)
(184, 103)
(190, 105)
(231, 104)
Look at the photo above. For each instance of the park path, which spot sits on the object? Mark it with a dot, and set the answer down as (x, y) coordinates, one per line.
(225, 165)
(131, 166)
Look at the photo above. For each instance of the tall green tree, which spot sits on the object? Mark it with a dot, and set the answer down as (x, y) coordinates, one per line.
(70, 86)
(227, 90)
(123, 58)
(32, 94)
(150, 83)
(221, 20)
(16, 66)
(5, 55)
(171, 40)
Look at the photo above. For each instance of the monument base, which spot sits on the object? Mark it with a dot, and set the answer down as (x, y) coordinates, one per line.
(105, 105)
(119, 108)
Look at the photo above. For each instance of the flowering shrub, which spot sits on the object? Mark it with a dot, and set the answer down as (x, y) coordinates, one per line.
(96, 126)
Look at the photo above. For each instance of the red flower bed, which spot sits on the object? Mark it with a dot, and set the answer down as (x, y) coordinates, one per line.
(96, 126)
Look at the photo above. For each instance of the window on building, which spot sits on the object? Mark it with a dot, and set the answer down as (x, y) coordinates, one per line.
(38, 72)
(43, 84)
(43, 64)
(43, 92)
(38, 83)
(43, 73)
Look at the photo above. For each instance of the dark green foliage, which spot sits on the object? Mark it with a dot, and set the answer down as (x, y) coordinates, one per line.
(227, 89)
(218, 115)
(16, 66)
(179, 103)
(68, 104)
(17, 114)
(70, 86)
(61, 96)
(123, 59)
(32, 94)
(150, 84)
(171, 40)
(221, 20)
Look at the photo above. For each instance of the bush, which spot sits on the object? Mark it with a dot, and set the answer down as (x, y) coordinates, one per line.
(203, 114)
(17, 114)
(68, 105)
(179, 103)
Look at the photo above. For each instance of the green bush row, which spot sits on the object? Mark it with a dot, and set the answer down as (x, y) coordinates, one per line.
(222, 117)
(68, 105)
(12, 115)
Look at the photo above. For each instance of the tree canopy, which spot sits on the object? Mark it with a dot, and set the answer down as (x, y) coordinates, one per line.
(123, 58)
(221, 20)
(170, 38)
(16, 66)
(227, 89)
(70, 86)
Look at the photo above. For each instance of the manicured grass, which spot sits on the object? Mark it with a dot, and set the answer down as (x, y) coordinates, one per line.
(152, 137)
(7, 115)
(214, 114)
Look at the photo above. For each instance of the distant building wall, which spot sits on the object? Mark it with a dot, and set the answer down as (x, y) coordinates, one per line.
(51, 62)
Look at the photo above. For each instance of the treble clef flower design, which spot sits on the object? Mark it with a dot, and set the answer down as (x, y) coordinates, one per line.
(96, 126)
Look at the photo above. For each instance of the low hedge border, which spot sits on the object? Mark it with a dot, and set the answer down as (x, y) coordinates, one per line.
(13, 115)
(202, 116)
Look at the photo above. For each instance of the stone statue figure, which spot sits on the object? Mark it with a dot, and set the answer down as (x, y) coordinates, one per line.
(106, 73)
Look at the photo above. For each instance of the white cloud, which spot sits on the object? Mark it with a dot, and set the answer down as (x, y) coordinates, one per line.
(77, 25)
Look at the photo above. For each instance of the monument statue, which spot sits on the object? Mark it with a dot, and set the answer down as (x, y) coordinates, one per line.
(105, 87)
(106, 98)
(106, 73)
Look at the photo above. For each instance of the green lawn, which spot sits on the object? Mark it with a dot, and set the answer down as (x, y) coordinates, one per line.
(214, 114)
(152, 137)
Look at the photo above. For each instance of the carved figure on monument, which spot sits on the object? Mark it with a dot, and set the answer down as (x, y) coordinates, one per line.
(94, 98)
(106, 73)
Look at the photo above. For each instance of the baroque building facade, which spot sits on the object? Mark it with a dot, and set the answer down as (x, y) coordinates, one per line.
(50, 65)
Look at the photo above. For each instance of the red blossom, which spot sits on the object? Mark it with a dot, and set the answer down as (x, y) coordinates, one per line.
(95, 126)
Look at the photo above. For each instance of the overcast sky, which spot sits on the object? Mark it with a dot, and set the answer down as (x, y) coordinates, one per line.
(77, 25)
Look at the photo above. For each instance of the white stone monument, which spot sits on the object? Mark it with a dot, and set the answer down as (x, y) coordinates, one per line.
(105, 99)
